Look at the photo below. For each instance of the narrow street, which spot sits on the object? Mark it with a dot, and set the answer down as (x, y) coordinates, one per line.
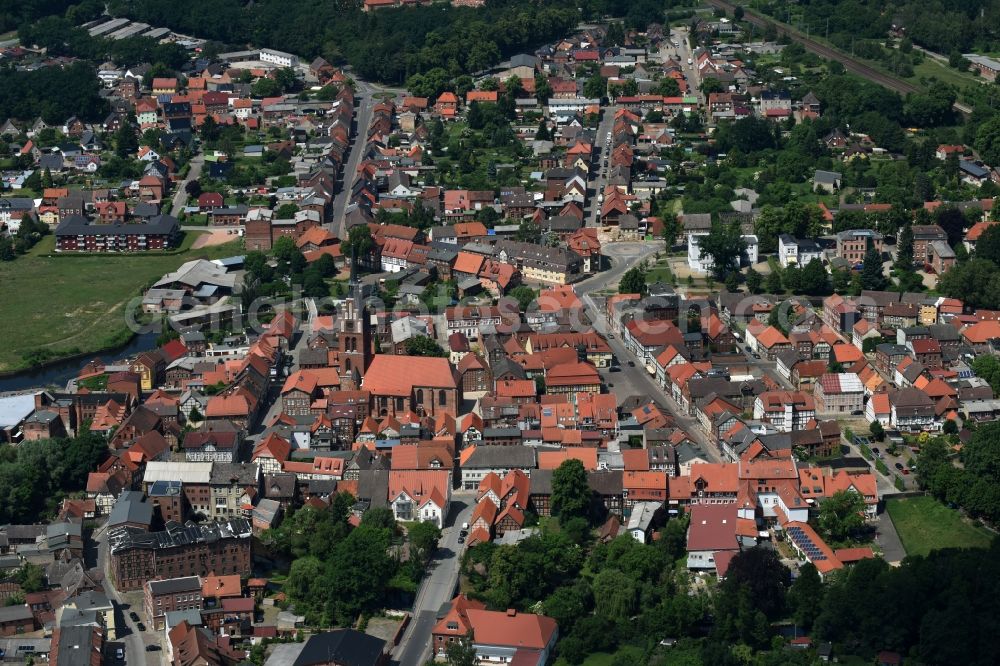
(438, 586)
(127, 633)
(633, 380)
(602, 149)
(362, 121)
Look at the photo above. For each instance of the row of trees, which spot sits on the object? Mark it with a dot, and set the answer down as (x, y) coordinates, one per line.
(36, 476)
(54, 93)
(388, 45)
(974, 485)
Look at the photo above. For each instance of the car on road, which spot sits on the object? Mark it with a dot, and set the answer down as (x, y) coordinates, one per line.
(461, 539)
(756, 355)
(614, 368)
(631, 364)
(610, 385)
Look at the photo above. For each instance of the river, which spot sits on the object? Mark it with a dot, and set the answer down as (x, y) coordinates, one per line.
(58, 373)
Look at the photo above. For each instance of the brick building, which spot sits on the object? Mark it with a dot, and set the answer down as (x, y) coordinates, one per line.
(78, 234)
(425, 385)
(180, 550)
(173, 594)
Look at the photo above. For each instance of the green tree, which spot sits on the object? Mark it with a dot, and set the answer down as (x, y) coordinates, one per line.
(815, 280)
(633, 281)
(424, 537)
(571, 495)
(595, 87)
(988, 245)
(772, 284)
(877, 431)
(724, 245)
(904, 255)
(524, 295)
(421, 345)
(668, 87)
(988, 140)
(569, 604)
(872, 276)
(286, 211)
(754, 281)
(842, 515)
(461, 652)
(359, 242)
(805, 597)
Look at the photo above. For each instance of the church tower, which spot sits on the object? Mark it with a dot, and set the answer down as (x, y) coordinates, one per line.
(354, 333)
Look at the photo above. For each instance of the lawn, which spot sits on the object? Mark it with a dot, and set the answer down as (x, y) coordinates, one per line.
(931, 68)
(66, 305)
(659, 272)
(924, 524)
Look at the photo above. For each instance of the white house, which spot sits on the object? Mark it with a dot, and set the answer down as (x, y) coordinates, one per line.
(799, 251)
(640, 521)
(279, 58)
(700, 264)
(421, 496)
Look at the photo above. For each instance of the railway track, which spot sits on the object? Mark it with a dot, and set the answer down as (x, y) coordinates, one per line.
(851, 64)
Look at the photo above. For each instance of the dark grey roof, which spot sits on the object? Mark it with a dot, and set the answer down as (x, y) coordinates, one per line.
(175, 585)
(503, 457)
(605, 482)
(540, 482)
(77, 225)
(243, 474)
(130, 508)
(345, 647)
(373, 486)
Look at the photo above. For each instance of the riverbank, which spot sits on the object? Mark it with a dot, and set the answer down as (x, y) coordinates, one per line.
(57, 372)
(59, 307)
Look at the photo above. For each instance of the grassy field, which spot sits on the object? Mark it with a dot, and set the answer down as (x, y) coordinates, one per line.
(924, 524)
(931, 68)
(69, 305)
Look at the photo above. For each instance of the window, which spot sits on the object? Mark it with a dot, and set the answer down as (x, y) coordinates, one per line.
(420, 396)
(442, 398)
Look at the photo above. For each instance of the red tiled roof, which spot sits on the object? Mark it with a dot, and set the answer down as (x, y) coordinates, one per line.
(398, 375)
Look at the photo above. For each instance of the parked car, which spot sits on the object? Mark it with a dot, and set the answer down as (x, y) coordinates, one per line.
(140, 626)
(899, 466)
(134, 616)
(153, 648)
(461, 539)
(876, 452)
(631, 364)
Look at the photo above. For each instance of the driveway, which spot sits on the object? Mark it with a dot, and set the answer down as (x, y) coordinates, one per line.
(180, 195)
(438, 586)
(888, 539)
